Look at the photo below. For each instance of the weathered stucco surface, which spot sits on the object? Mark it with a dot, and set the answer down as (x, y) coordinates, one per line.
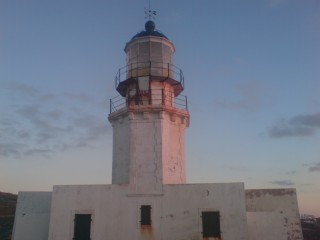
(273, 214)
(149, 147)
(264, 214)
(176, 211)
(32, 216)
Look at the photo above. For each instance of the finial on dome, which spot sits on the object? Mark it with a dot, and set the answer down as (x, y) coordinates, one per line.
(150, 26)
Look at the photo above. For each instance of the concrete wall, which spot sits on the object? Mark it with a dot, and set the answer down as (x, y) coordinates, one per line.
(176, 211)
(32, 216)
(273, 214)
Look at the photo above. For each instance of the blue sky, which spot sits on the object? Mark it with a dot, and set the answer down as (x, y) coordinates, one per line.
(252, 77)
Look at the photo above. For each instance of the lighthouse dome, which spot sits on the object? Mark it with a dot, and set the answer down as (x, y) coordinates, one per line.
(149, 31)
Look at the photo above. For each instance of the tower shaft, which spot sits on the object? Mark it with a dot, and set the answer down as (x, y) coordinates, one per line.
(149, 125)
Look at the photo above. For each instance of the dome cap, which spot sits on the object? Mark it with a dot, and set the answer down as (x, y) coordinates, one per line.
(149, 31)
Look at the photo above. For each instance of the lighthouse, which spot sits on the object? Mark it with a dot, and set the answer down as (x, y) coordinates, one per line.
(149, 198)
(150, 115)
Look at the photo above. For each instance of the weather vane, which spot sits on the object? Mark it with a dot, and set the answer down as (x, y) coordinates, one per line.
(150, 14)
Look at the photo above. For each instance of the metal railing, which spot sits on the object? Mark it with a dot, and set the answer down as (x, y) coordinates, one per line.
(155, 97)
(155, 69)
(116, 103)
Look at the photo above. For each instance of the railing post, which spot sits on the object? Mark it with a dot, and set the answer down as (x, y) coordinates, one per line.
(116, 80)
(110, 105)
(162, 97)
(150, 66)
(186, 103)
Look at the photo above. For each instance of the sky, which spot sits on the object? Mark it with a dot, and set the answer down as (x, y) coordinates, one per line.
(252, 77)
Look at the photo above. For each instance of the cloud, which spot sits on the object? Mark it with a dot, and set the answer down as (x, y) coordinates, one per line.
(54, 131)
(23, 134)
(50, 131)
(282, 131)
(293, 172)
(251, 97)
(55, 114)
(21, 88)
(41, 125)
(93, 127)
(82, 97)
(29, 111)
(96, 131)
(47, 97)
(11, 149)
(81, 144)
(7, 133)
(315, 167)
(310, 120)
(7, 122)
(85, 120)
(44, 121)
(284, 183)
(43, 137)
(38, 151)
(297, 126)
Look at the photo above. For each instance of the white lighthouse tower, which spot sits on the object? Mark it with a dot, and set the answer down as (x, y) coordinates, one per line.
(150, 119)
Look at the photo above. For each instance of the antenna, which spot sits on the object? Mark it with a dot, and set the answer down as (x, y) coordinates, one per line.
(150, 14)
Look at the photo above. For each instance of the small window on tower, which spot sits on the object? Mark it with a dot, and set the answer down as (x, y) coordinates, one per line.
(211, 225)
(145, 215)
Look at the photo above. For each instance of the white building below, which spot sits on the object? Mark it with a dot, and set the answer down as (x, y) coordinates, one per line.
(178, 212)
